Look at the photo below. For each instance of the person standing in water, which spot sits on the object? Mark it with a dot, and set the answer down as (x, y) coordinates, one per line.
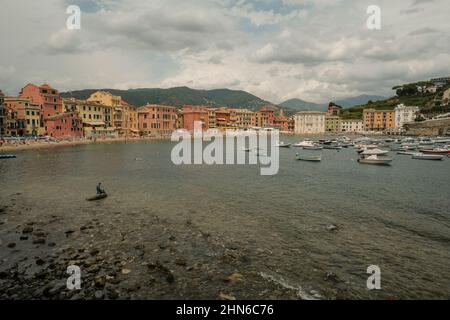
(100, 189)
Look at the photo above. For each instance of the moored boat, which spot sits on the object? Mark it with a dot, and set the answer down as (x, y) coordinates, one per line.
(308, 158)
(97, 197)
(422, 156)
(377, 152)
(437, 151)
(373, 159)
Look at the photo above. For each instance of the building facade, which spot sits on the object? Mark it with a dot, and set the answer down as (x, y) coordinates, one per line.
(157, 120)
(28, 116)
(264, 118)
(352, 126)
(2, 115)
(244, 118)
(281, 122)
(113, 108)
(65, 125)
(48, 100)
(334, 109)
(310, 122)
(379, 120)
(92, 115)
(333, 124)
(192, 114)
(404, 115)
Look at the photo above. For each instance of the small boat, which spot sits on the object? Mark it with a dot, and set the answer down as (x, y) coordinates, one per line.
(306, 143)
(283, 145)
(438, 151)
(8, 156)
(373, 159)
(377, 152)
(97, 197)
(407, 153)
(309, 158)
(315, 147)
(421, 156)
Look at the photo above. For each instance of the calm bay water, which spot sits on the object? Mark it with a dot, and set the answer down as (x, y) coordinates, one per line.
(396, 217)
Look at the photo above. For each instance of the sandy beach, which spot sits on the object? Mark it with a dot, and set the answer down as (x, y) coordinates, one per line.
(11, 147)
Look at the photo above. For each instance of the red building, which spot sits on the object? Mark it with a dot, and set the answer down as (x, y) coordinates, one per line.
(265, 118)
(193, 114)
(65, 125)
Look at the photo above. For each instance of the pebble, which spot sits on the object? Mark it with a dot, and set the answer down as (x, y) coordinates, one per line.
(27, 229)
(126, 271)
(99, 294)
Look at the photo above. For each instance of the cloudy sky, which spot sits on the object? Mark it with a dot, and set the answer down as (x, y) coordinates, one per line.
(317, 50)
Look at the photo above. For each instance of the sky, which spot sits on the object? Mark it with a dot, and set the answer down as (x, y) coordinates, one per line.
(317, 50)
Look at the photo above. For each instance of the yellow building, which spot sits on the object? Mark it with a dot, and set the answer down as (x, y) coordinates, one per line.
(333, 124)
(245, 118)
(24, 116)
(113, 112)
(92, 115)
(130, 123)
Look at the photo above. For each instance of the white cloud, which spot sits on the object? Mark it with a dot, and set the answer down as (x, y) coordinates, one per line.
(276, 49)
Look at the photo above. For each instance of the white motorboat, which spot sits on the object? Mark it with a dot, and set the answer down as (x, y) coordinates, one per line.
(283, 145)
(306, 143)
(377, 152)
(421, 156)
(373, 159)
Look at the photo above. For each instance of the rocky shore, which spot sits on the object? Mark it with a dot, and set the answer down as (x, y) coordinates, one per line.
(122, 257)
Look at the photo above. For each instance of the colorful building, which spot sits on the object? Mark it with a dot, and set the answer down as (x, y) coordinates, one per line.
(192, 114)
(48, 100)
(28, 116)
(352, 126)
(333, 124)
(310, 122)
(264, 118)
(244, 118)
(113, 108)
(2, 115)
(378, 120)
(130, 119)
(211, 118)
(281, 122)
(157, 120)
(334, 109)
(65, 125)
(92, 115)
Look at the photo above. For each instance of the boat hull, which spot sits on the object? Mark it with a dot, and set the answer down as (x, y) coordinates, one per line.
(97, 197)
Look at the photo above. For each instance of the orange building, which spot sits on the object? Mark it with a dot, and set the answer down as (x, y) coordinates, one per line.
(280, 122)
(378, 120)
(264, 118)
(157, 120)
(192, 114)
(28, 115)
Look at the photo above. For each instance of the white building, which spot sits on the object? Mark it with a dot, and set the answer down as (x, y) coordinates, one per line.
(310, 122)
(351, 125)
(404, 115)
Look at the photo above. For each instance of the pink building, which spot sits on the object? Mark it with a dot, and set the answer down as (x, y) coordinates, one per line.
(65, 125)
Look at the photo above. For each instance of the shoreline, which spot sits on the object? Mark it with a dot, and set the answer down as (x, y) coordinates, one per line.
(49, 145)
